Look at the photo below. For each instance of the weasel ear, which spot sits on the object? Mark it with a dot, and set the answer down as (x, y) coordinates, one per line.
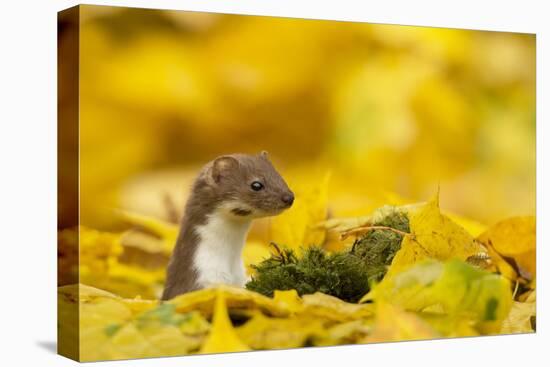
(222, 166)
(264, 154)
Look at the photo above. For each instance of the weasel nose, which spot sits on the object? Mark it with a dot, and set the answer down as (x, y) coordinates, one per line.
(288, 198)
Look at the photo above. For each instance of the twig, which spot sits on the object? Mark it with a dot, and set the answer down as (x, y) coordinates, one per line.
(365, 229)
(285, 256)
(277, 249)
(515, 289)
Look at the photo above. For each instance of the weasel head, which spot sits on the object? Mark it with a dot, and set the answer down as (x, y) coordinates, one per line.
(248, 186)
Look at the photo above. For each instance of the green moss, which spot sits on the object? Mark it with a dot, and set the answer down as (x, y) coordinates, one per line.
(378, 247)
(342, 275)
(346, 274)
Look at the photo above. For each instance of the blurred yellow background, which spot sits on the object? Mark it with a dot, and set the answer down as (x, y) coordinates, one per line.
(391, 111)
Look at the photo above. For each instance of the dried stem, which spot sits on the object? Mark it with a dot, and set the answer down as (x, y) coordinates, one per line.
(515, 289)
(365, 229)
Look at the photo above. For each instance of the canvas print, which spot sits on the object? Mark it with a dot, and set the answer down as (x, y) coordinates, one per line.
(235, 183)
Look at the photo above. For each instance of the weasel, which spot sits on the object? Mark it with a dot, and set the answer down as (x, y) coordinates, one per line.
(228, 193)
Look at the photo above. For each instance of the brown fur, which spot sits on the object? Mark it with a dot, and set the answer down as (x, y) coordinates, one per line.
(226, 179)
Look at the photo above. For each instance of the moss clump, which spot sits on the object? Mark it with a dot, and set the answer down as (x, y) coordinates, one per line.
(342, 274)
(346, 274)
(378, 247)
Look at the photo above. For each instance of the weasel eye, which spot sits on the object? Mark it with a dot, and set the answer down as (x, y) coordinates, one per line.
(256, 186)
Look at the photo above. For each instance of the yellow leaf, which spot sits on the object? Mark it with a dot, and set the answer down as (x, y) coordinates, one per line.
(167, 340)
(68, 315)
(172, 333)
(409, 288)
(296, 228)
(502, 266)
(222, 338)
(450, 326)
(349, 332)
(528, 295)
(514, 238)
(99, 312)
(471, 226)
(520, 318)
(96, 248)
(395, 324)
(290, 298)
(103, 264)
(96, 317)
(460, 289)
(234, 297)
(146, 242)
(128, 342)
(433, 235)
(263, 332)
(168, 232)
(332, 308)
(84, 292)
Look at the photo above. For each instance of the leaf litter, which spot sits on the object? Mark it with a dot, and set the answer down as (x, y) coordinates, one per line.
(411, 273)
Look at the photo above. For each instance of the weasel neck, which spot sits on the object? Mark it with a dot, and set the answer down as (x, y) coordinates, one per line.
(218, 259)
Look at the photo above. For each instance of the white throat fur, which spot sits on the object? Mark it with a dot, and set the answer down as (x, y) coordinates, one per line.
(218, 259)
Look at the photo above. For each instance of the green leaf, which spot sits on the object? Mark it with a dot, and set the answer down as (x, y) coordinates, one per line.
(455, 287)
